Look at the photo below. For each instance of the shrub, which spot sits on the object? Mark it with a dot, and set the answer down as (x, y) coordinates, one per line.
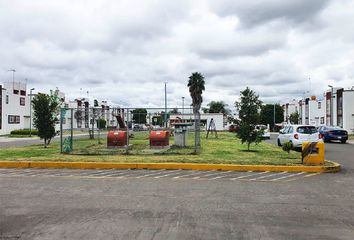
(287, 147)
(24, 132)
(101, 123)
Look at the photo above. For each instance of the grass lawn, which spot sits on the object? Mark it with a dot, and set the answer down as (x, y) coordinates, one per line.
(351, 136)
(225, 149)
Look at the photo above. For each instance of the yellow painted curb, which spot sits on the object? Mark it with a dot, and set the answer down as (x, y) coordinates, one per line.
(188, 166)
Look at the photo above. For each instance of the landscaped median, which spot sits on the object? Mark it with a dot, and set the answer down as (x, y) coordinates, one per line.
(222, 153)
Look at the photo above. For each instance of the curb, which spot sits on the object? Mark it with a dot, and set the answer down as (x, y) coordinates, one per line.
(186, 166)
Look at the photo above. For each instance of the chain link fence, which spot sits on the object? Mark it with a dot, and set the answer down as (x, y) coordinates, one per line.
(105, 131)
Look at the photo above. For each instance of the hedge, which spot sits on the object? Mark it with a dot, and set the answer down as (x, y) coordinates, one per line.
(24, 132)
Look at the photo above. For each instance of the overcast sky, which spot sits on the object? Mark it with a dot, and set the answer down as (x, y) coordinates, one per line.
(123, 51)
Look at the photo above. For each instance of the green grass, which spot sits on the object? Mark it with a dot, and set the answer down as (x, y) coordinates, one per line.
(225, 149)
(351, 136)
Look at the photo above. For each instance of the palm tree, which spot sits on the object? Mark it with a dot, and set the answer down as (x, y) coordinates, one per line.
(196, 87)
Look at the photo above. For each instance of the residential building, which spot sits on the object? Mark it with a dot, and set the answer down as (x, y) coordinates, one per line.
(14, 107)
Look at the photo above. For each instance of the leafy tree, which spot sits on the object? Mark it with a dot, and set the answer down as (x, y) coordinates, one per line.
(196, 86)
(217, 107)
(174, 111)
(267, 114)
(294, 117)
(95, 103)
(101, 123)
(248, 107)
(45, 112)
(139, 115)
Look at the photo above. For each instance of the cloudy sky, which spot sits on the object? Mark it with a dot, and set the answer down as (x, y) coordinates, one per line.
(124, 50)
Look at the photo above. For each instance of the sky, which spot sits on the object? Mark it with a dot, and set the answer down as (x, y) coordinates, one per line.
(124, 51)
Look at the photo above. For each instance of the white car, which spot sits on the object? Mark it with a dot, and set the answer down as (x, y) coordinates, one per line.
(266, 132)
(297, 134)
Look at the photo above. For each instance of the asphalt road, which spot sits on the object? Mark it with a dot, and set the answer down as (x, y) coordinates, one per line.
(96, 204)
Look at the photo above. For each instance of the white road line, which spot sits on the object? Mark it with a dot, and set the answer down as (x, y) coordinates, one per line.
(274, 174)
(192, 174)
(104, 173)
(249, 175)
(169, 174)
(308, 175)
(224, 174)
(204, 176)
(289, 176)
(212, 174)
(156, 172)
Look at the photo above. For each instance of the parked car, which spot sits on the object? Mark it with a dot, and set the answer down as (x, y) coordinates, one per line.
(138, 127)
(333, 133)
(297, 134)
(233, 128)
(266, 132)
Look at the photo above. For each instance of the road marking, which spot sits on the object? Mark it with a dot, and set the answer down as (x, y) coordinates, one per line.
(308, 175)
(266, 176)
(249, 175)
(156, 172)
(222, 175)
(289, 176)
(192, 174)
(104, 173)
(169, 174)
(212, 174)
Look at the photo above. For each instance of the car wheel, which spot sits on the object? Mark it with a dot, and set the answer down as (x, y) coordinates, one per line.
(279, 144)
(343, 141)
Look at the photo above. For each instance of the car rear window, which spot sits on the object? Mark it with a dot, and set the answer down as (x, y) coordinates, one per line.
(306, 129)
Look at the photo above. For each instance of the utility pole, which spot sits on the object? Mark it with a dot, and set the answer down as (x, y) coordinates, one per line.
(182, 107)
(31, 111)
(273, 117)
(165, 117)
(331, 112)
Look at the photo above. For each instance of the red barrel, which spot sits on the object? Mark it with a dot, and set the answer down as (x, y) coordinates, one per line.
(116, 139)
(159, 138)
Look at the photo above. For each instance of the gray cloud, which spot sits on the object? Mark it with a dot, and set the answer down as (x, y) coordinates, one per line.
(124, 51)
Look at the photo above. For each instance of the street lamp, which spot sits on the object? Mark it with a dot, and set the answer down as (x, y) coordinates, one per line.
(165, 117)
(331, 104)
(182, 107)
(31, 111)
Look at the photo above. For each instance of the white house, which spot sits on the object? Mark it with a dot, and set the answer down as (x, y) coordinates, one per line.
(14, 107)
(205, 119)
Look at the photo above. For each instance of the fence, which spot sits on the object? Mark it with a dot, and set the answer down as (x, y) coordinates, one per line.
(84, 130)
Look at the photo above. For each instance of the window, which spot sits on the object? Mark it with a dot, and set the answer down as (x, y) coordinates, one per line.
(319, 105)
(322, 120)
(307, 129)
(7, 99)
(16, 91)
(14, 119)
(23, 93)
(22, 101)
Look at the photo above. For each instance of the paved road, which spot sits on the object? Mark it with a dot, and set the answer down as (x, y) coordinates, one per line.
(116, 204)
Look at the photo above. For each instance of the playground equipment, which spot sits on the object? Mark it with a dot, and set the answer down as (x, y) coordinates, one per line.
(159, 139)
(117, 139)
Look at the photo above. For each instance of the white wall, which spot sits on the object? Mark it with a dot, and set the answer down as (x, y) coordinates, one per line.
(348, 110)
(13, 107)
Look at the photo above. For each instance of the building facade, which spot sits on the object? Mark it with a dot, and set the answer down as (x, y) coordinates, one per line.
(14, 107)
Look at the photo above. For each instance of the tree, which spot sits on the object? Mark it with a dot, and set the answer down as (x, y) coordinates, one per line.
(45, 112)
(174, 111)
(294, 118)
(139, 115)
(217, 107)
(248, 107)
(196, 86)
(267, 114)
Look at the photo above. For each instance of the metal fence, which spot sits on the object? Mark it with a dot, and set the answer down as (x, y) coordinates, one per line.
(84, 130)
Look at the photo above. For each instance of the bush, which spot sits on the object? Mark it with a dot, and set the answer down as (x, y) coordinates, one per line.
(287, 147)
(101, 123)
(24, 132)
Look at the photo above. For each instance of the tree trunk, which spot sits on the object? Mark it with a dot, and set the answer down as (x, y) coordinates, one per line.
(197, 132)
(248, 146)
(45, 143)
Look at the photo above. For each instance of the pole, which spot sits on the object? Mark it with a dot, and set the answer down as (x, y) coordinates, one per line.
(31, 111)
(182, 107)
(331, 112)
(165, 105)
(273, 117)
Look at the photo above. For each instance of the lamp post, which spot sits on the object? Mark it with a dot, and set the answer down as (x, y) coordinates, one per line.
(331, 112)
(182, 107)
(31, 111)
(273, 116)
(165, 117)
